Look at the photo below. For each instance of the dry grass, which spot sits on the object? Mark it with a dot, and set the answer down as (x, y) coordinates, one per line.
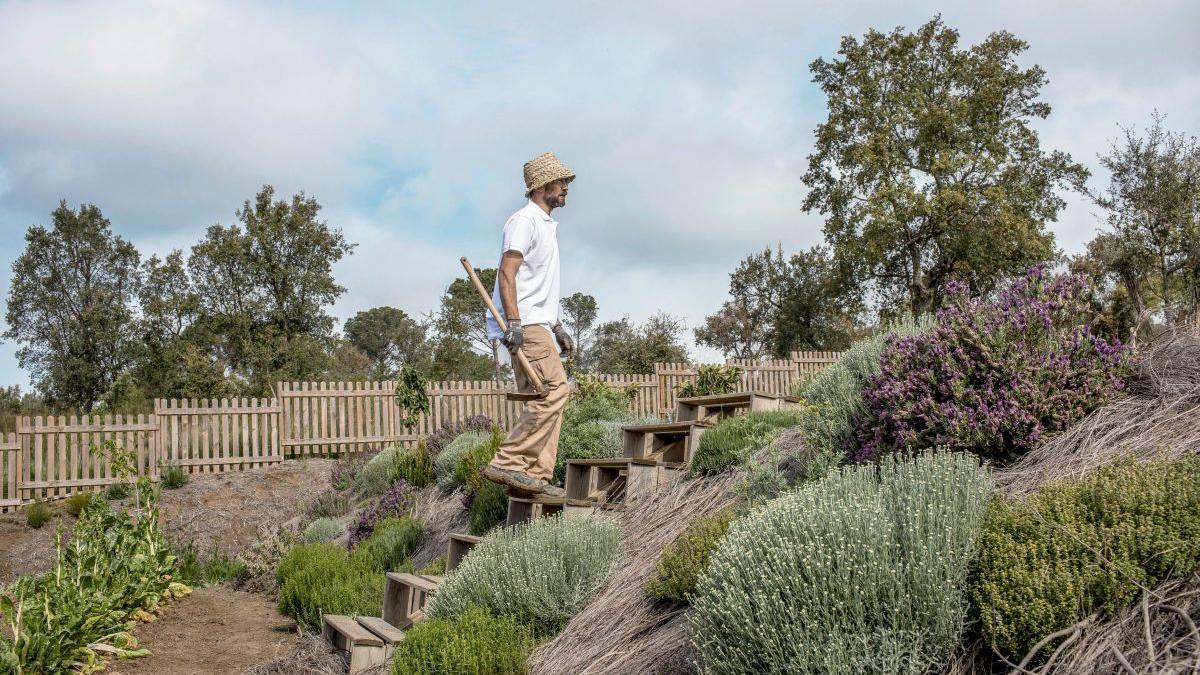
(440, 514)
(622, 630)
(311, 656)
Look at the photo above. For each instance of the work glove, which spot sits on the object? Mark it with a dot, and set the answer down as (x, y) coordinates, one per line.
(513, 338)
(565, 343)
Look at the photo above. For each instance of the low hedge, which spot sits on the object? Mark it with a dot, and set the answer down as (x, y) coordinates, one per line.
(323, 529)
(475, 642)
(541, 572)
(489, 508)
(445, 466)
(685, 559)
(325, 578)
(1083, 545)
(390, 544)
(731, 441)
(863, 571)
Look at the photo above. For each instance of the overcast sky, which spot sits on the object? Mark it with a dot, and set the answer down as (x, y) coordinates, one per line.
(409, 122)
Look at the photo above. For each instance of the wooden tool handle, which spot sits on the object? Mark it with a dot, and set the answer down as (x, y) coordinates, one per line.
(519, 357)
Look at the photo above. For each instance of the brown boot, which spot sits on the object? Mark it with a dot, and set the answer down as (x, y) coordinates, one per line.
(514, 479)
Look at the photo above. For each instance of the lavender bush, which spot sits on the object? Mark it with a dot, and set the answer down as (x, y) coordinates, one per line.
(394, 502)
(442, 436)
(994, 375)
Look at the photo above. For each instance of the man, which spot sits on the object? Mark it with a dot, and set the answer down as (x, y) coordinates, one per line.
(527, 290)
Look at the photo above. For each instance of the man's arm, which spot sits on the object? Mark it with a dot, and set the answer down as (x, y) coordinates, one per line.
(510, 262)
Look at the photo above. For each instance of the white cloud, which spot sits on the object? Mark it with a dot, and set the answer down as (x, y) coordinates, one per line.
(688, 127)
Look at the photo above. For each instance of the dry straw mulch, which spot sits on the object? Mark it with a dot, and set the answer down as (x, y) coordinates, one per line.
(622, 630)
(440, 514)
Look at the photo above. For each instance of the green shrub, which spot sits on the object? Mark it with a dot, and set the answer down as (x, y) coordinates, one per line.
(414, 467)
(712, 379)
(213, 568)
(1083, 545)
(731, 441)
(330, 504)
(324, 578)
(591, 428)
(445, 466)
(117, 491)
(475, 642)
(489, 508)
(322, 529)
(38, 514)
(377, 474)
(833, 399)
(76, 502)
(541, 572)
(390, 544)
(474, 460)
(173, 476)
(864, 571)
(114, 569)
(685, 559)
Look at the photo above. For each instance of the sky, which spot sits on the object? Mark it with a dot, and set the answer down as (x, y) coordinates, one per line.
(688, 126)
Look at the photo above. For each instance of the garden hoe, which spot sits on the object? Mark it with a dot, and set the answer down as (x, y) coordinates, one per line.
(540, 389)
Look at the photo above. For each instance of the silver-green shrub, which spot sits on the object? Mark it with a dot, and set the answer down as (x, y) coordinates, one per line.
(447, 461)
(833, 399)
(376, 475)
(323, 529)
(864, 571)
(541, 572)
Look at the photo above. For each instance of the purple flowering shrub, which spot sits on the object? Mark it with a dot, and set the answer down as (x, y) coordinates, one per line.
(994, 375)
(396, 501)
(449, 431)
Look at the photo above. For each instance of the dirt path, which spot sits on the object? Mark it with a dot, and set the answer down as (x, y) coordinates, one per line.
(213, 631)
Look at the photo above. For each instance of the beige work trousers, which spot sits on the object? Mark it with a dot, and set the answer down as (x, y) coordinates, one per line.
(532, 445)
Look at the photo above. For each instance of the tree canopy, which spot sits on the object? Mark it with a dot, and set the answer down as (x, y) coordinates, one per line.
(928, 167)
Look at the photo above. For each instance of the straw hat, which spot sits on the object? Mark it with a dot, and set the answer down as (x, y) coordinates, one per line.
(542, 170)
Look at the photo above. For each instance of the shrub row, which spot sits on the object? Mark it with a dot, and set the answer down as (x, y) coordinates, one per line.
(115, 568)
(685, 559)
(1084, 545)
(864, 571)
(731, 441)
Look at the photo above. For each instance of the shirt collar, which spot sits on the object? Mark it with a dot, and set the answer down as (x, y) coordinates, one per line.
(537, 211)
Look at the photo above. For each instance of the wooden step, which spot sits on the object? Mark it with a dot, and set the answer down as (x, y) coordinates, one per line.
(460, 545)
(386, 631)
(716, 407)
(668, 442)
(611, 481)
(522, 509)
(575, 508)
(405, 596)
(366, 649)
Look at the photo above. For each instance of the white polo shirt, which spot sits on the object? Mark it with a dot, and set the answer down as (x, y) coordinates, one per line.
(534, 234)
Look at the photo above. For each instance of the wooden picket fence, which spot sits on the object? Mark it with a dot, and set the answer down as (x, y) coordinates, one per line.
(52, 457)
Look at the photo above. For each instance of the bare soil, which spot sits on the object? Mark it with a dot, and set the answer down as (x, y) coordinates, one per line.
(213, 631)
(226, 511)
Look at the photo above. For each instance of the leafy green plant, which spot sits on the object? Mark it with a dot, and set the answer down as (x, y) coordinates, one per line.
(730, 442)
(377, 474)
(77, 501)
(591, 428)
(445, 467)
(323, 529)
(172, 476)
(414, 466)
(390, 544)
(260, 559)
(863, 571)
(541, 572)
(436, 567)
(114, 570)
(411, 395)
(685, 559)
(711, 379)
(124, 464)
(489, 508)
(1084, 545)
(472, 462)
(475, 642)
(38, 514)
(316, 578)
